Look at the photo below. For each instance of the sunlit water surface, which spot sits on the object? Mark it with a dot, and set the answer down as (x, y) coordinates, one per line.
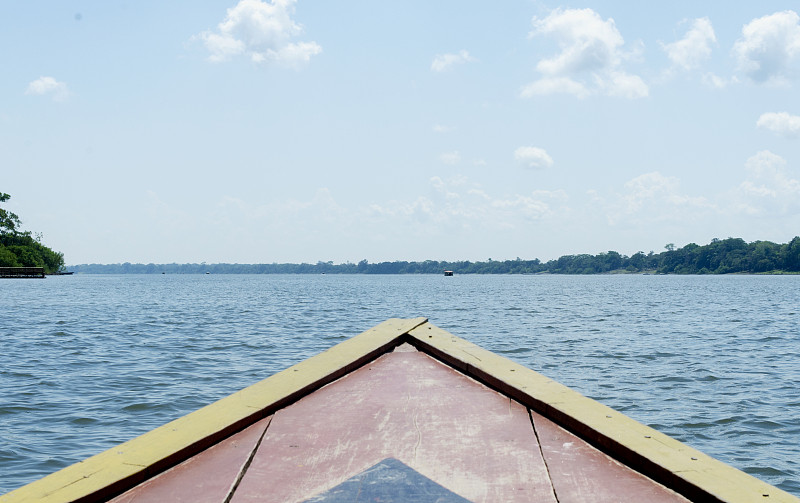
(90, 361)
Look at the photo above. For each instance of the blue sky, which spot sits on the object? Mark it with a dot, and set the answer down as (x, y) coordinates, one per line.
(290, 131)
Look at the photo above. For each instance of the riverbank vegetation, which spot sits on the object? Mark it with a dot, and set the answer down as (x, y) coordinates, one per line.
(721, 256)
(20, 249)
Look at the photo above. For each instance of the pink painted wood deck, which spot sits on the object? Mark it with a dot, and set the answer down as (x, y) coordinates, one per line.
(463, 436)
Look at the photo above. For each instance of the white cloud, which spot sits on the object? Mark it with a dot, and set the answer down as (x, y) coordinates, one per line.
(452, 206)
(443, 187)
(548, 85)
(222, 47)
(781, 123)
(587, 42)
(439, 128)
(292, 54)
(48, 86)
(769, 47)
(624, 85)
(262, 31)
(590, 58)
(451, 158)
(694, 48)
(651, 197)
(533, 207)
(649, 187)
(766, 165)
(444, 62)
(769, 189)
(457, 202)
(533, 157)
(716, 82)
(233, 213)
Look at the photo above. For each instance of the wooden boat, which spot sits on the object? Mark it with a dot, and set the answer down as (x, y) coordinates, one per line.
(403, 412)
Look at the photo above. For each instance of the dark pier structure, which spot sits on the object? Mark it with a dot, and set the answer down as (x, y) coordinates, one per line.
(21, 272)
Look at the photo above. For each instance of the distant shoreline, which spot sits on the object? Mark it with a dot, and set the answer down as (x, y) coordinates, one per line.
(721, 256)
(609, 273)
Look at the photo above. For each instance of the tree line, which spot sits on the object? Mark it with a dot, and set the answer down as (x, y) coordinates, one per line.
(721, 256)
(19, 248)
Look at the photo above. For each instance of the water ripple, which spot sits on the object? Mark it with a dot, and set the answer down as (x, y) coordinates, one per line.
(91, 361)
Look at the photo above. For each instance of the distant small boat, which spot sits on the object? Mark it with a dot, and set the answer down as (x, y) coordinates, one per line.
(403, 412)
(448, 273)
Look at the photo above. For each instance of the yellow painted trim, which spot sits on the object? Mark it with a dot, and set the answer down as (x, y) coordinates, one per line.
(117, 469)
(676, 465)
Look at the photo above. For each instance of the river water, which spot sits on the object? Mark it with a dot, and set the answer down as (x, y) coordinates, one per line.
(89, 361)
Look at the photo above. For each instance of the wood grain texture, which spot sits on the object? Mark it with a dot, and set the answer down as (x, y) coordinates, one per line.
(469, 439)
(678, 466)
(580, 473)
(208, 477)
(116, 470)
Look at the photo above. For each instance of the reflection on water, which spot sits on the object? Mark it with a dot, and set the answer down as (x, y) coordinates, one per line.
(91, 361)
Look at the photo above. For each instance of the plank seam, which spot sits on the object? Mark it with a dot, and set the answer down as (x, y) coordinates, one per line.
(541, 451)
(604, 443)
(247, 463)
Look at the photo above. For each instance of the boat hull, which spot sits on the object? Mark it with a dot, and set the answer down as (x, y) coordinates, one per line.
(409, 399)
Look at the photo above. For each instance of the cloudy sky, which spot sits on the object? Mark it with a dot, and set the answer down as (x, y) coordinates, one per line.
(290, 131)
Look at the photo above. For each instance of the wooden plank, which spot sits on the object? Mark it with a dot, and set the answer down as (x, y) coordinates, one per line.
(447, 427)
(581, 473)
(116, 470)
(210, 476)
(666, 460)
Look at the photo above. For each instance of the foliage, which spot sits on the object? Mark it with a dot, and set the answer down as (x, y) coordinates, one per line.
(9, 222)
(732, 255)
(20, 249)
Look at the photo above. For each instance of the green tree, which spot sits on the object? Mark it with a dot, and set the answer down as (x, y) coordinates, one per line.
(18, 248)
(9, 222)
(791, 255)
(7, 258)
